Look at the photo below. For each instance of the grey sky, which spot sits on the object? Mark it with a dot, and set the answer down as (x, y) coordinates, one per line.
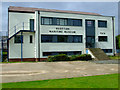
(104, 8)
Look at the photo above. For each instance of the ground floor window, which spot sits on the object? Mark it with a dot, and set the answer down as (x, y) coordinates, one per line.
(67, 53)
(18, 39)
(62, 38)
(107, 50)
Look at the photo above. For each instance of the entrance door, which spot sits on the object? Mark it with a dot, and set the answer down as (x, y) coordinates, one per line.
(32, 24)
(90, 34)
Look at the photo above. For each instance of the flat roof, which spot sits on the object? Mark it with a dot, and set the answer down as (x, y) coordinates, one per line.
(32, 10)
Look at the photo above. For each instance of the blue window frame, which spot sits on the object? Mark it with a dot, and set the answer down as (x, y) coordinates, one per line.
(102, 23)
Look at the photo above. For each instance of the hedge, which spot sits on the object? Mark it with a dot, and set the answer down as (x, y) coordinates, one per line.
(64, 57)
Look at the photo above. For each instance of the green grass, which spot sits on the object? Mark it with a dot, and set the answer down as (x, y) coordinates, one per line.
(114, 57)
(99, 81)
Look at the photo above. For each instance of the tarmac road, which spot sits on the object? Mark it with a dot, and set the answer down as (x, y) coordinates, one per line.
(17, 72)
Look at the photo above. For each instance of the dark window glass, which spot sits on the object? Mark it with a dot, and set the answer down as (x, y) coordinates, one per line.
(67, 53)
(46, 38)
(32, 24)
(61, 21)
(102, 38)
(76, 22)
(18, 39)
(31, 39)
(62, 38)
(107, 50)
(102, 23)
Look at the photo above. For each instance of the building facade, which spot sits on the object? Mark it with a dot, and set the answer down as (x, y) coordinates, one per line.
(35, 34)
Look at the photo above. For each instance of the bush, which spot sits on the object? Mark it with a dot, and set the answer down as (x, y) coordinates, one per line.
(84, 57)
(60, 57)
(64, 57)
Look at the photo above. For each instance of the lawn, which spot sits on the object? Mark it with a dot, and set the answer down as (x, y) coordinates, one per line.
(114, 57)
(99, 81)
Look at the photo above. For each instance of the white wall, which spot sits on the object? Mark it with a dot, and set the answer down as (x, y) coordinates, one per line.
(79, 31)
(28, 48)
(17, 19)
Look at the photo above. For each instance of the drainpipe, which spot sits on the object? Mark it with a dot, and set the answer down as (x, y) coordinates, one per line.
(114, 43)
(21, 47)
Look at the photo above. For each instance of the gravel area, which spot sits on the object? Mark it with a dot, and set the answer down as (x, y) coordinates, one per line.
(17, 72)
(106, 62)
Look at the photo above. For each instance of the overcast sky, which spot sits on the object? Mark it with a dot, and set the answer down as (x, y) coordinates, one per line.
(104, 8)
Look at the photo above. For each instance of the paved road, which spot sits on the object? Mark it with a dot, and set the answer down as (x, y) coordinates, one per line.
(16, 72)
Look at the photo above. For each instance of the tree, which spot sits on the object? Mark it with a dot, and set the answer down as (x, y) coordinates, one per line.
(118, 42)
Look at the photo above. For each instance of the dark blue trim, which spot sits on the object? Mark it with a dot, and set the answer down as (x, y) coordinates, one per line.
(21, 48)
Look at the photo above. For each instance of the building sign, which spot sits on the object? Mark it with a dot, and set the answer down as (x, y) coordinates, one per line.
(102, 33)
(62, 30)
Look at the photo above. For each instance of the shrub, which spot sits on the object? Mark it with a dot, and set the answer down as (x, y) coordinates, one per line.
(60, 57)
(73, 57)
(84, 57)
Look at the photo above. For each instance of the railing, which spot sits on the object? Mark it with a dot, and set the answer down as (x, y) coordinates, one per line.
(18, 27)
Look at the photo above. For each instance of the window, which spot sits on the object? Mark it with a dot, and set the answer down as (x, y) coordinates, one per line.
(90, 23)
(76, 22)
(102, 23)
(107, 50)
(46, 21)
(18, 39)
(102, 38)
(64, 52)
(46, 38)
(62, 38)
(61, 21)
(31, 39)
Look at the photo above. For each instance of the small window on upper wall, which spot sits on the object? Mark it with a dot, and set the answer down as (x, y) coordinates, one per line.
(102, 23)
(102, 38)
(18, 39)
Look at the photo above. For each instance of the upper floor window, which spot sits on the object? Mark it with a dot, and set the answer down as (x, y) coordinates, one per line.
(47, 21)
(102, 23)
(61, 21)
(102, 38)
(76, 22)
(18, 39)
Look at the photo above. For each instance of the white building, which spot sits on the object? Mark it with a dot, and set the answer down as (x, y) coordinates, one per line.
(49, 32)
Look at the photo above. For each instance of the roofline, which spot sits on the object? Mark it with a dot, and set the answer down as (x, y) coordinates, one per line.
(32, 10)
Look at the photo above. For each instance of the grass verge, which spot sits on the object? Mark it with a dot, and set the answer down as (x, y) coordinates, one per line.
(99, 81)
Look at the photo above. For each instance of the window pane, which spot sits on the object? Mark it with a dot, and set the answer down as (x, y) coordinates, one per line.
(102, 38)
(65, 21)
(30, 38)
(61, 21)
(58, 21)
(102, 23)
(46, 20)
(50, 21)
(17, 39)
